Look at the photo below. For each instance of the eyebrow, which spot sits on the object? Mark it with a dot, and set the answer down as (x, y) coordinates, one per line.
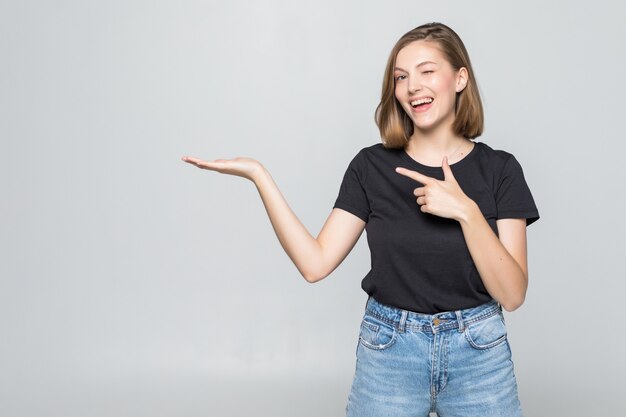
(418, 65)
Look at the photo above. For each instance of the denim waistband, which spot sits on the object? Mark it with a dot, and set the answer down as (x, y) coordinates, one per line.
(446, 320)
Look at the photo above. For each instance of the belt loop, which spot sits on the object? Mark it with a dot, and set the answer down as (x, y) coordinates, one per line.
(459, 318)
(401, 325)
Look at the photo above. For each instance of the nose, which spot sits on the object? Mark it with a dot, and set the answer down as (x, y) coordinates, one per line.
(414, 85)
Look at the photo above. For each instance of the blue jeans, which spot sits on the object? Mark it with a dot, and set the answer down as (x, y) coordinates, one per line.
(455, 363)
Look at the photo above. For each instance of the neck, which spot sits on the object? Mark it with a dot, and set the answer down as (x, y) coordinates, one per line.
(429, 147)
(440, 137)
(436, 141)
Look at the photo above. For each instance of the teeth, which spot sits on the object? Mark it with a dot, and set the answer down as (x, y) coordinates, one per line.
(421, 101)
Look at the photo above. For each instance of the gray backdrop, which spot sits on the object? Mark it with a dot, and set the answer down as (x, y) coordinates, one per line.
(133, 284)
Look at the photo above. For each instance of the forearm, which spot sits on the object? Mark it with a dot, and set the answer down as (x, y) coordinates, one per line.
(301, 247)
(502, 276)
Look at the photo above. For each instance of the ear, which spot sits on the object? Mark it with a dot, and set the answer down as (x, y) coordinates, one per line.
(461, 79)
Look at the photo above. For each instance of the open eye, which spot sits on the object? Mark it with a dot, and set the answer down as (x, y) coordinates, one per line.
(398, 77)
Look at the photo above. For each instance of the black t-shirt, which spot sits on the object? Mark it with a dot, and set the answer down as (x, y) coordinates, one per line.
(420, 261)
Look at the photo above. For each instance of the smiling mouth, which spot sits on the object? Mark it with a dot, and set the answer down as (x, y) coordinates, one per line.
(422, 102)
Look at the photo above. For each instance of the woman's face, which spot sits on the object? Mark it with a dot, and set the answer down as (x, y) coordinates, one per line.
(422, 72)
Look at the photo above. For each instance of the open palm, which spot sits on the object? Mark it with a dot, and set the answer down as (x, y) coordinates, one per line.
(240, 166)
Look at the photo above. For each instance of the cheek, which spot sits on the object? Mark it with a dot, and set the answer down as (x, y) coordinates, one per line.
(443, 85)
(397, 94)
(399, 97)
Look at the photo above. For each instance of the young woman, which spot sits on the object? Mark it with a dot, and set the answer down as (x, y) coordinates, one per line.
(446, 222)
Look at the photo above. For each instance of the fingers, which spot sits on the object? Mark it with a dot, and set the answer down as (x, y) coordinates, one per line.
(191, 160)
(202, 163)
(447, 171)
(419, 191)
(243, 167)
(414, 175)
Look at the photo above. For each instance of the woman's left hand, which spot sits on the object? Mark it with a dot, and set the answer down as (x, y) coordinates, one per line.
(442, 198)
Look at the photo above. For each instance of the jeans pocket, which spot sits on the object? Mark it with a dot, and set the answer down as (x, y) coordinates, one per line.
(486, 333)
(376, 334)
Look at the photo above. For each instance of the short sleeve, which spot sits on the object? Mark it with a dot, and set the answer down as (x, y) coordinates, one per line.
(352, 196)
(513, 197)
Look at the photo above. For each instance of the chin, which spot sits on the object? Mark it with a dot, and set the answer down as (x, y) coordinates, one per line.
(430, 124)
(425, 126)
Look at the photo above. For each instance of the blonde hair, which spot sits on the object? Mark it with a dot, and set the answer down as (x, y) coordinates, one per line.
(395, 126)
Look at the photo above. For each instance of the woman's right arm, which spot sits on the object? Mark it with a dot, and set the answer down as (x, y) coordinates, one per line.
(315, 258)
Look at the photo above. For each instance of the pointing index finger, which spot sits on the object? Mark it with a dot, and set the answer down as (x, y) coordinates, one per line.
(413, 175)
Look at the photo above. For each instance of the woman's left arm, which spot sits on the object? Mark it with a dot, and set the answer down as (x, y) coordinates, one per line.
(500, 261)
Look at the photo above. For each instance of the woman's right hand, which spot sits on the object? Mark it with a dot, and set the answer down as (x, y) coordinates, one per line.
(241, 166)
(315, 258)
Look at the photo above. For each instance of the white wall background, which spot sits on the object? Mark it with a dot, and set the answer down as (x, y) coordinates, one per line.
(133, 284)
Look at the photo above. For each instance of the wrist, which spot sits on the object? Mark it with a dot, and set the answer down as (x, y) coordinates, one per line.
(469, 211)
(259, 175)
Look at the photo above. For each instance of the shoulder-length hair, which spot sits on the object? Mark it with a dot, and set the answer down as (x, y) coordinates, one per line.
(395, 126)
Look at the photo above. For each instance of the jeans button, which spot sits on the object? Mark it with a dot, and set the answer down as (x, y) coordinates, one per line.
(436, 322)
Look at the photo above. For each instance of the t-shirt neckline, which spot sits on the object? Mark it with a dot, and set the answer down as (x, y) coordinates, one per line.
(456, 165)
